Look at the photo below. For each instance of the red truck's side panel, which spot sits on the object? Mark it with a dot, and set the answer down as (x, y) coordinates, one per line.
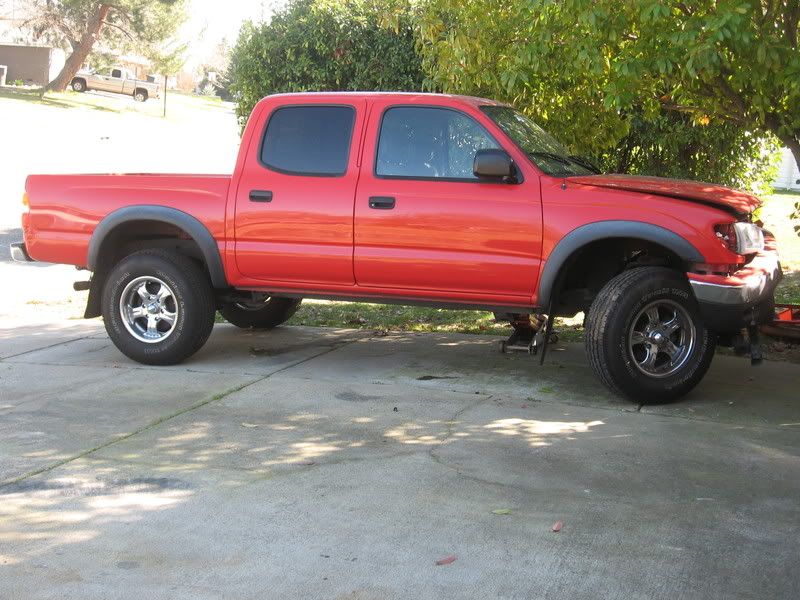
(569, 205)
(65, 209)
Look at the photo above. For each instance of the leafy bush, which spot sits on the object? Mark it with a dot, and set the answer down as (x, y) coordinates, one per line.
(323, 45)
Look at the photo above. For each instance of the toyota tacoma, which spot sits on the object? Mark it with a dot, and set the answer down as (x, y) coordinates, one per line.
(424, 199)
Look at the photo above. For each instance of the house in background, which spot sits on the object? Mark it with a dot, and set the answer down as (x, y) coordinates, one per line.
(26, 61)
(788, 175)
(33, 65)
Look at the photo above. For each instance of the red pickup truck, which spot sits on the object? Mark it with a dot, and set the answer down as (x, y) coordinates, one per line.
(414, 199)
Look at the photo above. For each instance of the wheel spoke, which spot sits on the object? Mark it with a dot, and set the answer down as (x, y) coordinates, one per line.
(152, 324)
(672, 350)
(652, 315)
(169, 317)
(673, 325)
(637, 337)
(650, 360)
(143, 293)
(137, 312)
(163, 293)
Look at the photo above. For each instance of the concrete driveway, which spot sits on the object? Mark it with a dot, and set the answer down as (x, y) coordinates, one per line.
(318, 463)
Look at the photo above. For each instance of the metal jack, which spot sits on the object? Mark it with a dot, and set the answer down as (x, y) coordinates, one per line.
(531, 332)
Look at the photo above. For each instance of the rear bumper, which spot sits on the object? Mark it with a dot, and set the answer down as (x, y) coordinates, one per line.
(730, 303)
(20, 253)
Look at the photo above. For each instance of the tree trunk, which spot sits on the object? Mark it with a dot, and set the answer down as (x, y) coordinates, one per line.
(79, 54)
(793, 144)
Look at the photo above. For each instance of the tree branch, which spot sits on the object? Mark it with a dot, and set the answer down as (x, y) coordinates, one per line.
(735, 99)
(791, 15)
(123, 30)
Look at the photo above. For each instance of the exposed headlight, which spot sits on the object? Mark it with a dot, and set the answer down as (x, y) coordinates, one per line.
(749, 238)
(741, 238)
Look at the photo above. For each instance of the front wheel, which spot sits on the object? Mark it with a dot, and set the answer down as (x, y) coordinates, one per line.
(78, 85)
(158, 307)
(645, 337)
(260, 311)
(140, 96)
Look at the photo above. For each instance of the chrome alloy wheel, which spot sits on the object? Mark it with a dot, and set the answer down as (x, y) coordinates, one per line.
(148, 309)
(661, 338)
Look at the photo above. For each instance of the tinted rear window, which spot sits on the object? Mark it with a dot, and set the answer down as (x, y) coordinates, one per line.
(309, 140)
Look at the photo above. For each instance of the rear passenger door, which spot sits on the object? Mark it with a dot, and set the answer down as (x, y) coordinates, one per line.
(294, 201)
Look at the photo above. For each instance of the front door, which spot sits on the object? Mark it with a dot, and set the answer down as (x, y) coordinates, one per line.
(115, 82)
(294, 203)
(424, 223)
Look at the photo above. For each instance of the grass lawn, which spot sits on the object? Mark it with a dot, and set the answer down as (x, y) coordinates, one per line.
(178, 103)
(775, 214)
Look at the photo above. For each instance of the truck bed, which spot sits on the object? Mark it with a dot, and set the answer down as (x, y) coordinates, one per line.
(65, 209)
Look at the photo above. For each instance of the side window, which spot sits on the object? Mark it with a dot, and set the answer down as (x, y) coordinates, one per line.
(116, 73)
(308, 140)
(429, 143)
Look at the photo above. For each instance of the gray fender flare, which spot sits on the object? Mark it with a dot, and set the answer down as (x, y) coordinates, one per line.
(196, 230)
(592, 232)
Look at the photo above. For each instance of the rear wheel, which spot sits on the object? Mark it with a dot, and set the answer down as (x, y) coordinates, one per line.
(158, 307)
(645, 338)
(140, 95)
(260, 311)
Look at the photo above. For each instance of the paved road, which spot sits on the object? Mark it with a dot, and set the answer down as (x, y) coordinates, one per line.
(322, 463)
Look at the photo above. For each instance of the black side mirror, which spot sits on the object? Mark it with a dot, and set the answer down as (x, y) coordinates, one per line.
(493, 164)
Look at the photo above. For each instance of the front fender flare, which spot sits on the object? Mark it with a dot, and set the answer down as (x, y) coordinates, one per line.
(592, 232)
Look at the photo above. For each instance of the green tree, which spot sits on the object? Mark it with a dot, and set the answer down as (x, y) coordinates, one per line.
(80, 25)
(595, 69)
(670, 144)
(324, 45)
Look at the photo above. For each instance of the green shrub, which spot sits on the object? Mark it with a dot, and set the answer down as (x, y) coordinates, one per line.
(323, 45)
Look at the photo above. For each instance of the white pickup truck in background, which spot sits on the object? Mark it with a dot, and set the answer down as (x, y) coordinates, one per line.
(118, 81)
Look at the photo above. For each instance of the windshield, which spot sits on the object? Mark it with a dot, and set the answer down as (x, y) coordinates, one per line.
(543, 149)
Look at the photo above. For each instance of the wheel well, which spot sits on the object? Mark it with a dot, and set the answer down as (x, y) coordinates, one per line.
(130, 237)
(590, 267)
(79, 79)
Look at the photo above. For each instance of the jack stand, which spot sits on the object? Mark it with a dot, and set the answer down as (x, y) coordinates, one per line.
(525, 335)
(756, 356)
(548, 334)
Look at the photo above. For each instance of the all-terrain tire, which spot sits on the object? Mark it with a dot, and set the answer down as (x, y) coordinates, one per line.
(265, 315)
(191, 301)
(614, 334)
